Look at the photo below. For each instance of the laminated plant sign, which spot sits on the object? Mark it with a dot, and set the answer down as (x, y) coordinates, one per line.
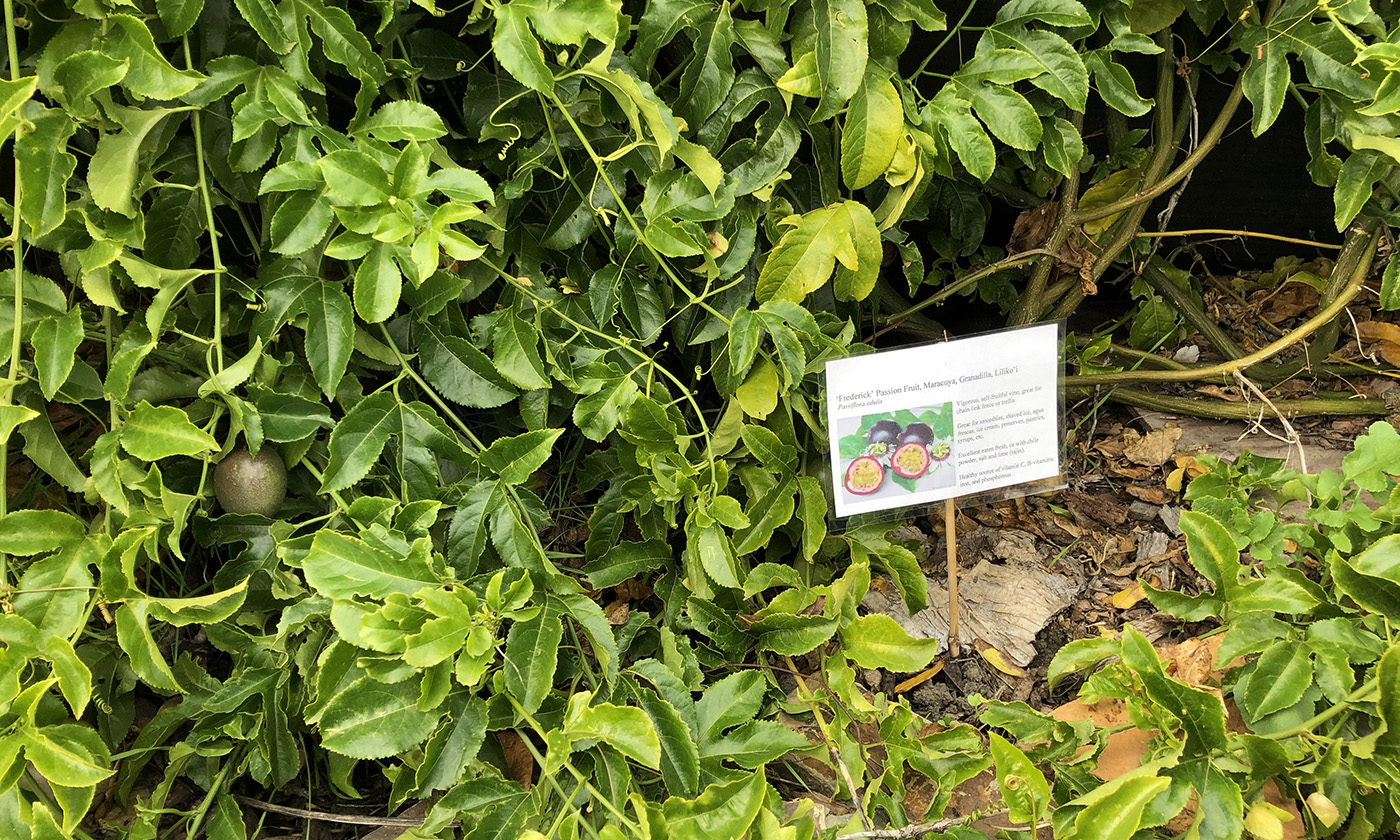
(940, 421)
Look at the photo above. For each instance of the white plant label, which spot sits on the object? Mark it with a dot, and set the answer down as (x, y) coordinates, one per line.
(922, 424)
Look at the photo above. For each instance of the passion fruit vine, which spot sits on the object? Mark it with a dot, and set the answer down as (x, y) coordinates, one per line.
(245, 483)
(910, 460)
(864, 476)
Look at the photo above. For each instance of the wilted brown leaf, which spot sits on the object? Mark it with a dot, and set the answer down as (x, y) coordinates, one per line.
(1153, 449)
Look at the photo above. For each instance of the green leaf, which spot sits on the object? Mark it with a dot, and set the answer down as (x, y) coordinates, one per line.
(625, 561)
(532, 653)
(515, 459)
(45, 166)
(515, 349)
(1023, 786)
(113, 169)
(1114, 811)
(179, 15)
(262, 15)
(769, 449)
(154, 432)
(709, 74)
(518, 51)
(680, 759)
(964, 133)
(754, 744)
(1266, 80)
(920, 12)
(199, 609)
(626, 729)
(55, 343)
(354, 179)
(874, 123)
(365, 718)
(1062, 72)
(341, 566)
(69, 754)
(74, 677)
(53, 593)
(1115, 85)
(378, 284)
(842, 50)
(1279, 678)
(804, 258)
(301, 221)
(134, 636)
(448, 753)
(1390, 285)
(726, 810)
(1064, 148)
(1374, 458)
(877, 641)
(403, 120)
(1202, 714)
(357, 441)
(1212, 551)
(1360, 172)
(149, 73)
(27, 532)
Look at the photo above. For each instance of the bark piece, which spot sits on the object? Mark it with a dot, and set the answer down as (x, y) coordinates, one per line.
(1003, 605)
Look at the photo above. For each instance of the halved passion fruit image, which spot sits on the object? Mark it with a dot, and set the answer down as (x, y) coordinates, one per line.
(864, 476)
(910, 460)
(940, 451)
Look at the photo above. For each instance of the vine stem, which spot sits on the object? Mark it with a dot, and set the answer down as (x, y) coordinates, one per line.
(1160, 234)
(204, 191)
(16, 248)
(1227, 369)
(627, 214)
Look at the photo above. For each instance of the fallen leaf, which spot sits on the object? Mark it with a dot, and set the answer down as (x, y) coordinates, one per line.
(996, 660)
(1378, 331)
(520, 764)
(1227, 394)
(1153, 449)
(1175, 479)
(1151, 495)
(920, 678)
(1128, 596)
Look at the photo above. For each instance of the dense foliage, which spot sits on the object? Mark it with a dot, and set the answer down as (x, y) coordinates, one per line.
(532, 300)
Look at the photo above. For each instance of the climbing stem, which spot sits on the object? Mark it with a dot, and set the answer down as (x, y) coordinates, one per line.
(207, 199)
(16, 251)
(1222, 410)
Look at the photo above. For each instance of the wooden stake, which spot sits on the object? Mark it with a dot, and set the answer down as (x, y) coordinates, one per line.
(951, 532)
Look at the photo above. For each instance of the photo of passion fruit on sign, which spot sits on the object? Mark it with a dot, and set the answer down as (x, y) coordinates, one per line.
(898, 452)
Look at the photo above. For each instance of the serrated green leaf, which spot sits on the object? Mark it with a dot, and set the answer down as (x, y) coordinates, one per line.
(154, 432)
(874, 123)
(357, 441)
(842, 50)
(626, 729)
(55, 342)
(149, 74)
(67, 754)
(1280, 676)
(45, 166)
(515, 459)
(365, 718)
(27, 532)
(403, 120)
(341, 566)
(515, 351)
(518, 51)
(877, 641)
(805, 257)
(532, 652)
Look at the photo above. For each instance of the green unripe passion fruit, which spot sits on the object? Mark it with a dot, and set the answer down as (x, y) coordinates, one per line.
(247, 484)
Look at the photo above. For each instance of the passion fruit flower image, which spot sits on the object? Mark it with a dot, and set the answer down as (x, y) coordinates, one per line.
(893, 454)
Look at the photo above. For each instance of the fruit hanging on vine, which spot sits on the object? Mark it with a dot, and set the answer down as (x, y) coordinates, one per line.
(245, 483)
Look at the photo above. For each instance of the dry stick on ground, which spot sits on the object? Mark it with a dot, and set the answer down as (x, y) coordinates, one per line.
(950, 529)
(324, 816)
(919, 830)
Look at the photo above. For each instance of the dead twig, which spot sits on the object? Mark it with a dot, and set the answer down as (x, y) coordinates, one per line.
(1293, 440)
(326, 816)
